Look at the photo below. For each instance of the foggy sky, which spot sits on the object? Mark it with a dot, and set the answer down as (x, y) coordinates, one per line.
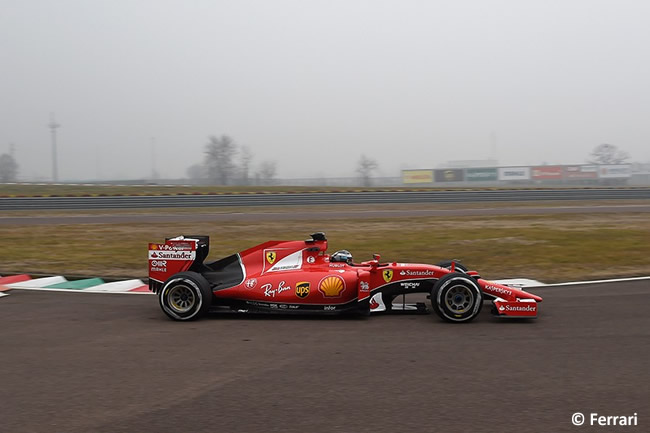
(314, 84)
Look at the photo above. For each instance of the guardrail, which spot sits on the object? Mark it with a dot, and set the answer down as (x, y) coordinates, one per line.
(315, 199)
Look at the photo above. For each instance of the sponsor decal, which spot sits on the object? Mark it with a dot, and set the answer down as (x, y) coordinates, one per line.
(250, 284)
(172, 255)
(508, 307)
(410, 273)
(311, 259)
(289, 263)
(417, 176)
(547, 172)
(498, 290)
(329, 308)
(271, 256)
(271, 292)
(365, 287)
(449, 175)
(176, 246)
(302, 289)
(387, 274)
(581, 172)
(615, 171)
(336, 265)
(332, 286)
(158, 266)
(514, 173)
(481, 174)
(410, 285)
(257, 304)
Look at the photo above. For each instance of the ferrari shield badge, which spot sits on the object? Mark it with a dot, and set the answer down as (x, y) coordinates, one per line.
(388, 275)
(270, 257)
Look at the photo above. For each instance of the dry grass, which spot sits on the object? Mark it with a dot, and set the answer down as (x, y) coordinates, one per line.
(549, 248)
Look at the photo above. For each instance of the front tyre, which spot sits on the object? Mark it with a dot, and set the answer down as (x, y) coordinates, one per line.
(456, 298)
(185, 296)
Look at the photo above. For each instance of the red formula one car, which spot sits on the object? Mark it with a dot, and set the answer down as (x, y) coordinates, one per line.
(300, 277)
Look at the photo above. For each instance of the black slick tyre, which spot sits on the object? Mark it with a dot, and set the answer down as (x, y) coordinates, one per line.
(456, 298)
(185, 296)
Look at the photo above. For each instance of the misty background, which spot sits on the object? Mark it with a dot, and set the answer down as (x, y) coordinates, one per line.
(313, 85)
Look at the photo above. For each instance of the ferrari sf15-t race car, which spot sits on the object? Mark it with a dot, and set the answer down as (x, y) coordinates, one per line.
(300, 277)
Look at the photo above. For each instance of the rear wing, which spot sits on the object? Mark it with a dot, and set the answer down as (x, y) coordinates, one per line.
(179, 254)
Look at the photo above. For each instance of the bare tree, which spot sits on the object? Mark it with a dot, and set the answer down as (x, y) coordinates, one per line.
(608, 154)
(267, 172)
(197, 173)
(365, 167)
(245, 157)
(220, 154)
(8, 168)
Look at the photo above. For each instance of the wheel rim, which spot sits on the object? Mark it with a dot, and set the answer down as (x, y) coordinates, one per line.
(181, 298)
(459, 299)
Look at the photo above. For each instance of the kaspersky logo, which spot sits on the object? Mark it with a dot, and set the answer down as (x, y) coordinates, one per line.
(387, 274)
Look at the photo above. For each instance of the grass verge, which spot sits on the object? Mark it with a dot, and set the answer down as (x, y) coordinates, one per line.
(549, 248)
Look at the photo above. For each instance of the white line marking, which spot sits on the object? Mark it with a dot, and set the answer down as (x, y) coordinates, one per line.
(84, 291)
(615, 280)
(38, 282)
(117, 286)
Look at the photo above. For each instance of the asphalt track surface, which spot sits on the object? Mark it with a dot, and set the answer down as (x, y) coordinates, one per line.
(74, 362)
(316, 214)
(322, 198)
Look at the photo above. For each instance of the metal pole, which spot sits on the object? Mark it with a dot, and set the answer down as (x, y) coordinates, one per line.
(154, 174)
(53, 126)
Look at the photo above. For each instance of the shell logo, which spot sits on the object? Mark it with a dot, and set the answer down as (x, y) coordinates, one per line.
(331, 286)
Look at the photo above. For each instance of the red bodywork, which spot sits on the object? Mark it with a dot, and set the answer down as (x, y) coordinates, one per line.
(298, 275)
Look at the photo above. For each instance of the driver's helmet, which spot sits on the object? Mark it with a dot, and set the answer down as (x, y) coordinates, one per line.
(341, 256)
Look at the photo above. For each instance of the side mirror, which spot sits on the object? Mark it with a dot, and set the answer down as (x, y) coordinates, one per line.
(376, 257)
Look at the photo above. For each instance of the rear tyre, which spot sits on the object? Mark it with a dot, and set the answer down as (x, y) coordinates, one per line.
(456, 298)
(185, 296)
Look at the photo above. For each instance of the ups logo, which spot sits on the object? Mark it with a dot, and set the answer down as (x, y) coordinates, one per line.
(302, 289)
